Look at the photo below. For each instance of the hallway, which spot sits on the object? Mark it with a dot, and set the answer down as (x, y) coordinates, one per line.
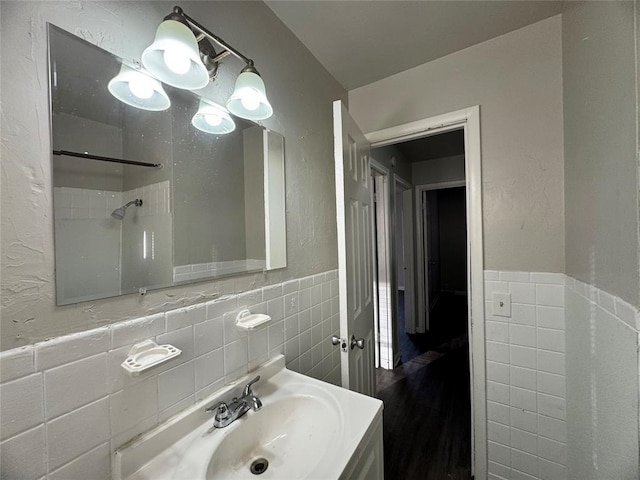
(426, 400)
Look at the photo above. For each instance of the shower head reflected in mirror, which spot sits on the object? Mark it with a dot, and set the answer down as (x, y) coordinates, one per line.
(119, 213)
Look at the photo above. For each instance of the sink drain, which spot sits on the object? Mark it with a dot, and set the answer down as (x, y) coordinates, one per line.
(259, 466)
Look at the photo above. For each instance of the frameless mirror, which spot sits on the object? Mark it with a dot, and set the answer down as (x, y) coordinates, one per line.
(144, 199)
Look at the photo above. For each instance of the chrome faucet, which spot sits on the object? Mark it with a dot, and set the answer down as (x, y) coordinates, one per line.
(227, 414)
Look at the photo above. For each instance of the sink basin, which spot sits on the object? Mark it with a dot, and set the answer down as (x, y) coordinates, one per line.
(282, 433)
(305, 429)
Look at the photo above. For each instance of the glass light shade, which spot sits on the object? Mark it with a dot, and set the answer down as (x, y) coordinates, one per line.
(138, 90)
(213, 118)
(249, 98)
(174, 57)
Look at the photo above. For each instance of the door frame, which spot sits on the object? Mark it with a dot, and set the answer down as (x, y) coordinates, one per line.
(381, 236)
(469, 119)
(422, 282)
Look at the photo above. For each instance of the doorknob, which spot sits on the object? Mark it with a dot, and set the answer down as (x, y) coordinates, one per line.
(340, 341)
(357, 343)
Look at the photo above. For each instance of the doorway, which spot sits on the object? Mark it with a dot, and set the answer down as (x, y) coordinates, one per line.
(466, 121)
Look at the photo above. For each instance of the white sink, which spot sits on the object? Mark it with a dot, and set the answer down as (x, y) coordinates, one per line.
(305, 429)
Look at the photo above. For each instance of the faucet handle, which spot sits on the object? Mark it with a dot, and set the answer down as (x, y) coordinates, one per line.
(221, 409)
(247, 389)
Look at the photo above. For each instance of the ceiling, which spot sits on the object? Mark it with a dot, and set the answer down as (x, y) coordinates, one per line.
(362, 41)
(443, 145)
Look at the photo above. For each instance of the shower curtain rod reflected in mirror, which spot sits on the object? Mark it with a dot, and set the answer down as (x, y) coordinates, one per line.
(106, 159)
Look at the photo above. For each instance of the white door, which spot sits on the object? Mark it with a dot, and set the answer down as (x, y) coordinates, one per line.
(407, 238)
(355, 266)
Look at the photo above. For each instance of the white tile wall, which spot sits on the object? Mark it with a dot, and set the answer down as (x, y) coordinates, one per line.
(67, 403)
(525, 377)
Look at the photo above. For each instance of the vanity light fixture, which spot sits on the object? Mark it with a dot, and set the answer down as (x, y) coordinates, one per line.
(213, 118)
(182, 55)
(139, 90)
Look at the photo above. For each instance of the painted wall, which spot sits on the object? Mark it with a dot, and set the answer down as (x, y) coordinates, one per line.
(517, 81)
(601, 199)
(601, 171)
(299, 88)
(448, 169)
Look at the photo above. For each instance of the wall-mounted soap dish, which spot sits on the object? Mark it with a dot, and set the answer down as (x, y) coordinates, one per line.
(148, 354)
(245, 320)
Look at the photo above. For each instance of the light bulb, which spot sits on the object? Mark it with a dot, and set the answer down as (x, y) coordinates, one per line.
(250, 100)
(177, 61)
(213, 120)
(141, 87)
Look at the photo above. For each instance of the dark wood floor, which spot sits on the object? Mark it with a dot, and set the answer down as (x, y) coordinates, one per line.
(427, 411)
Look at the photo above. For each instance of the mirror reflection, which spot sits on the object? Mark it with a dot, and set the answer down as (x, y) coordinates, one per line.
(148, 199)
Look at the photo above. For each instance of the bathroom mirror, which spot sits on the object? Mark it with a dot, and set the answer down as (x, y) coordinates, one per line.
(143, 199)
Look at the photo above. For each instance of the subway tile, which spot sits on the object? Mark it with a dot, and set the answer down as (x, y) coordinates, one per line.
(550, 317)
(133, 430)
(304, 299)
(551, 471)
(498, 433)
(498, 372)
(86, 378)
(316, 314)
(220, 306)
(208, 336)
(316, 294)
(523, 314)
(515, 277)
(95, 464)
(525, 441)
(182, 339)
(497, 331)
(498, 392)
(523, 335)
(549, 278)
(550, 295)
(491, 275)
(184, 317)
(305, 362)
(275, 309)
(523, 356)
(551, 362)
(292, 349)
(133, 331)
(524, 462)
(250, 298)
(499, 453)
(553, 340)
(524, 420)
(176, 408)
(523, 378)
(552, 384)
(291, 303)
(305, 341)
(552, 450)
(271, 292)
(235, 356)
(176, 384)
(77, 432)
(326, 291)
(22, 405)
(209, 390)
(498, 471)
(209, 368)
(552, 428)
(498, 413)
(23, 456)
(72, 347)
(258, 346)
(497, 352)
(522, 293)
(276, 335)
(291, 327)
(523, 399)
(607, 301)
(306, 282)
(331, 275)
(491, 287)
(133, 404)
(518, 475)
(627, 313)
(552, 406)
(16, 363)
(319, 278)
(316, 334)
(290, 286)
(230, 332)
